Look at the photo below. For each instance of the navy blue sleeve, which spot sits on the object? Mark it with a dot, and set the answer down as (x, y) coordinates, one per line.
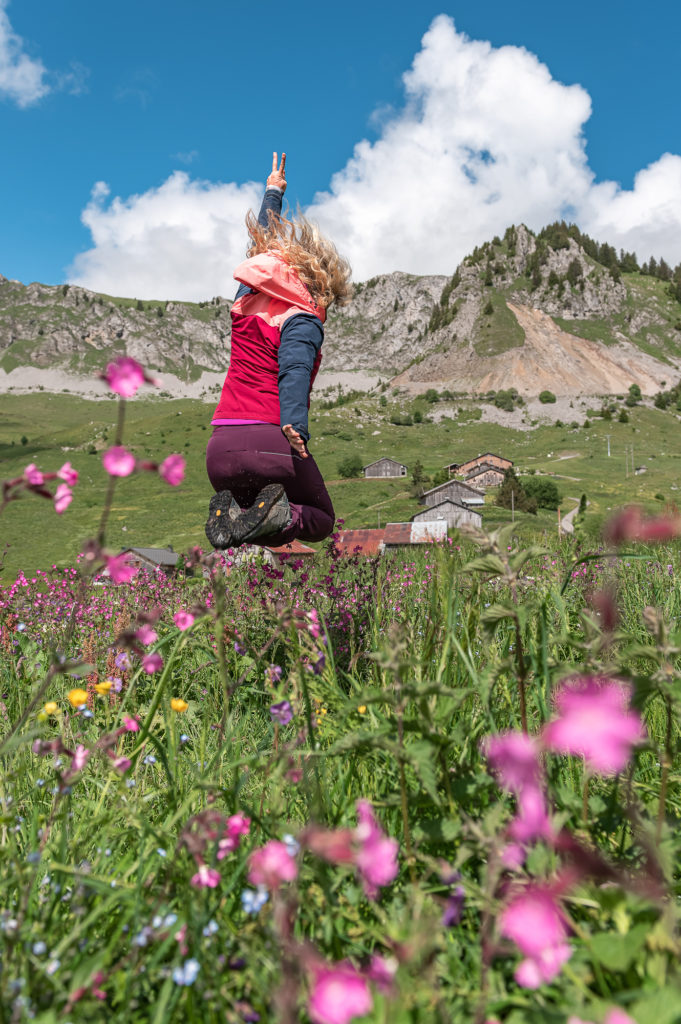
(301, 339)
(272, 200)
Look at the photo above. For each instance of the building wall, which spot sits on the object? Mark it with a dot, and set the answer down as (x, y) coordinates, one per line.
(489, 478)
(454, 514)
(385, 468)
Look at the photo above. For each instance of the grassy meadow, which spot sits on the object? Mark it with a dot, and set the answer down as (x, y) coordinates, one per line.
(62, 427)
(439, 786)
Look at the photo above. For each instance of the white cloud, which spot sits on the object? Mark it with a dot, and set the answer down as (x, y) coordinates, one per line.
(486, 138)
(22, 78)
(180, 240)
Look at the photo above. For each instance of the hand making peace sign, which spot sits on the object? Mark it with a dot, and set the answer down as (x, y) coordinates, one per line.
(278, 175)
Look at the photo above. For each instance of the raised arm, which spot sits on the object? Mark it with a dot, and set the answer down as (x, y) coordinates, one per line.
(272, 200)
(274, 193)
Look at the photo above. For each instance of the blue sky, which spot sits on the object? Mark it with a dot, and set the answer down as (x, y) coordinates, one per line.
(133, 92)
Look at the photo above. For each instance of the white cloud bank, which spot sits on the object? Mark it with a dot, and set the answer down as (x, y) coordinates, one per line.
(486, 138)
(22, 79)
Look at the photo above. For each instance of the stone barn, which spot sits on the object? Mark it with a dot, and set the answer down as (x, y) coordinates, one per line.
(485, 476)
(385, 467)
(455, 491)
(451, 512)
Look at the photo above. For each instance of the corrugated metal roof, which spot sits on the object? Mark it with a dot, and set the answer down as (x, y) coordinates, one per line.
(362, 542)
(294, 547)
(159, 556)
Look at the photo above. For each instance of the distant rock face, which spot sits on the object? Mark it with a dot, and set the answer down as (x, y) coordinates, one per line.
(508, 317)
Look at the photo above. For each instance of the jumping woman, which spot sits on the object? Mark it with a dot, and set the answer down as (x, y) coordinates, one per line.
(268, 486)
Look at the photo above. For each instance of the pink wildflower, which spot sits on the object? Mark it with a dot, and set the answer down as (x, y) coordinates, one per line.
(121, 764)
(119, 569)
(131, 724)
(62, 498)
(33, 476)
(382, 971)
(68, 474)
(183, 620)
(376, 858)
(595, 721)
(237, 825)
(205, 878)
(535, 971)
(617, 1016)
(152, 663)
(534, 921)
(80, 758)
(172, 469)
(118, 461)
(514, 758)
(338, 994)
(146, 635)
(124, 376)
(271, 865)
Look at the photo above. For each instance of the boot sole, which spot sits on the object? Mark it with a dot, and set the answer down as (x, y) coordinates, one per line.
(218, 525)
(249, 520)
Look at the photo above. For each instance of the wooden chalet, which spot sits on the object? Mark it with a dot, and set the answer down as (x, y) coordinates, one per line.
(484, 476)
(463, 468)
(454, 490)
(451, 512)
(385, 468)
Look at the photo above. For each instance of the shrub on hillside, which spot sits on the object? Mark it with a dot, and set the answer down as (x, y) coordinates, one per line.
(544, 491)
(350, 467)
(512, 494)
(547, 397)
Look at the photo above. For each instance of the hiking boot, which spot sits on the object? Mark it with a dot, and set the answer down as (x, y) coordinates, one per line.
(223, 511)
(269, 513)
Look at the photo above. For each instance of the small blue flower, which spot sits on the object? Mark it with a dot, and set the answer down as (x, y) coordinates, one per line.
(33, 857)
(21, 626)
(39, 948)
(211, 928)
(53, 966)
(187, 973)
(253, 900)
(291, 844)
(149, 759)
(160, 851)
(184, 738)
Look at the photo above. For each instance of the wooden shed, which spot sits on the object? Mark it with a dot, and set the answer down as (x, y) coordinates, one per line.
(291, 552)
(451, 512)
(456, 491)
(385, 467)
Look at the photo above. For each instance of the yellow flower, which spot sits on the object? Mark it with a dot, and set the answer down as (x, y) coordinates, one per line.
(362, 709)
(104, 687)
(177, 704)
(51, 708)
(77, 697)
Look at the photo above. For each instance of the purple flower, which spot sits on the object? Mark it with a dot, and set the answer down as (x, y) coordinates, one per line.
(273, 674)
(281, 712)
(453, 907)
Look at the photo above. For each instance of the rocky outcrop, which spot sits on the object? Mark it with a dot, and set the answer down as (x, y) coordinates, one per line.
(520, 295)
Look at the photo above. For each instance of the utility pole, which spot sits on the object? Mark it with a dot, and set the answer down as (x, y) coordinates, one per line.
(512, 505)
(608, 437)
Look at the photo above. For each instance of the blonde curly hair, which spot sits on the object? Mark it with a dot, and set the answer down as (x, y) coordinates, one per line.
(300, 243)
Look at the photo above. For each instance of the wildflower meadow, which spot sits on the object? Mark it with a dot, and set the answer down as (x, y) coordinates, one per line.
(431, 787)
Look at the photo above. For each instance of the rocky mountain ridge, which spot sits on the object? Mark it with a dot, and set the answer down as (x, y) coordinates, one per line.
(529, 311)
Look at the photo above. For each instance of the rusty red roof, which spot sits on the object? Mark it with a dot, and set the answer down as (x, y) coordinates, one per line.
(361, 542)
(293, 548)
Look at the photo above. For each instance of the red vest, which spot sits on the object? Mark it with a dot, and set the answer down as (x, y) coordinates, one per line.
(251, 390)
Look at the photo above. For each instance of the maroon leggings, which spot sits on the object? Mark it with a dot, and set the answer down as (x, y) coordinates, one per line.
(243, 459)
